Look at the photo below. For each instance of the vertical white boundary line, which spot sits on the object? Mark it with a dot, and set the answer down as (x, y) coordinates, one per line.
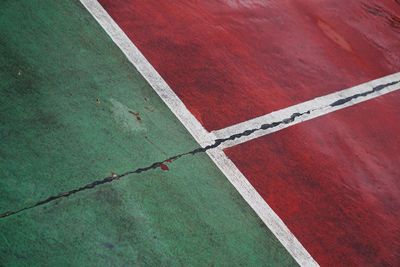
(263, 210)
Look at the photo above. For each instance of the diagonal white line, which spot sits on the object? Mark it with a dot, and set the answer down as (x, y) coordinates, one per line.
(148, 72)
(264, 211)
(310, 109)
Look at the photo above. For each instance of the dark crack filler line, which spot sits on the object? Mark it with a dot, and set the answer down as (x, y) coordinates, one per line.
(216, 143)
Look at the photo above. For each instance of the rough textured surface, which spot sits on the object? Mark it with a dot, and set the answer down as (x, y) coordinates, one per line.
(230, 61)
(73, 110)
(335, 182)
(332, 180)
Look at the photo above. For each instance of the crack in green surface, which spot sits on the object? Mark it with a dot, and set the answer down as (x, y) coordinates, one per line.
(216, 143)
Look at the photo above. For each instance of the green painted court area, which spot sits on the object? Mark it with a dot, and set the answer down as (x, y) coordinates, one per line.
(73, 110)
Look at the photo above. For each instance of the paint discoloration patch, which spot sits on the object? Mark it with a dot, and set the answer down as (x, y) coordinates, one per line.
(334, 36)
(123, 115)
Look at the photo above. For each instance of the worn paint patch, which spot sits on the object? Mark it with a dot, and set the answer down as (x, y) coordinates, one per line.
(334, 36)
(123, 115)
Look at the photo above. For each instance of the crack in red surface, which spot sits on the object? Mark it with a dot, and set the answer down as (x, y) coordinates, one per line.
(162, 165)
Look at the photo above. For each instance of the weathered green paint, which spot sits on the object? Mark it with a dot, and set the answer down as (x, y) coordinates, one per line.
(67, 98)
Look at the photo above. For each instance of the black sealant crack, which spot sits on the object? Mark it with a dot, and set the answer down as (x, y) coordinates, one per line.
(373, 90)
(216, 143)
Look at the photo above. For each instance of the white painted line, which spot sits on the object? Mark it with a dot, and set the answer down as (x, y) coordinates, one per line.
(318, 107)
(267, 215)
(263, 210)
(149, 73)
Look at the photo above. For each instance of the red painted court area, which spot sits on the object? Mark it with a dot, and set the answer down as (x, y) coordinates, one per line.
(230, 61)
(334, 180)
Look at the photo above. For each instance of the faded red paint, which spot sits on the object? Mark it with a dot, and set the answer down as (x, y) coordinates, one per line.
(230, 61)
(334, 181)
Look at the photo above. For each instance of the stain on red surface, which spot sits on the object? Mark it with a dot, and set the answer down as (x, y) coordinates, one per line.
(230, 61)
(334, 181)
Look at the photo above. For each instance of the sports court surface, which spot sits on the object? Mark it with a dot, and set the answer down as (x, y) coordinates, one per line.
(261, 133)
